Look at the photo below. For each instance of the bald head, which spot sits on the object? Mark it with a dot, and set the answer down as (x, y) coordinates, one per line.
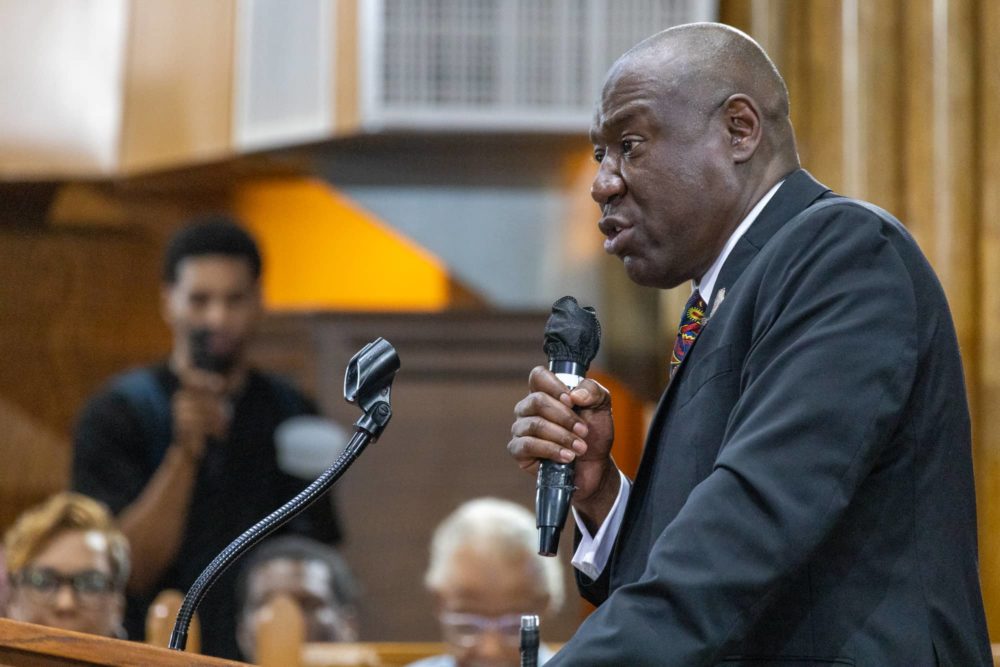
(691, 131)
(707, 63)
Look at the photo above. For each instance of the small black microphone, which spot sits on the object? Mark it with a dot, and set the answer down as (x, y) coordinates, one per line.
(572, 336)
(529, 640)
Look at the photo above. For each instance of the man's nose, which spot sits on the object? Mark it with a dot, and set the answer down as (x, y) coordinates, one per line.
(608, 182)
(216, 314)
(65, 598)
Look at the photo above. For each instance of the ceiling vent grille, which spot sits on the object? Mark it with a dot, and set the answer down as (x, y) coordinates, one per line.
(500, 64)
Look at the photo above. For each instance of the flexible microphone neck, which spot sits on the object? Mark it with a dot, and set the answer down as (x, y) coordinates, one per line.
(367, 382)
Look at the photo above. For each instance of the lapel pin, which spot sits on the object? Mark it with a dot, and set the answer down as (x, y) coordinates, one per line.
(719, 296)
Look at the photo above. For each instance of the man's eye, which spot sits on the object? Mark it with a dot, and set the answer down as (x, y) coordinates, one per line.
(627, 146)
(598, 155)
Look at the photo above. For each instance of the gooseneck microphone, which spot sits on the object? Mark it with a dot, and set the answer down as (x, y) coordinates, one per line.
(572, 336)
(368, 383)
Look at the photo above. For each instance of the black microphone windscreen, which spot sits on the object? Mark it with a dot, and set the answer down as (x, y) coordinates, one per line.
(572, 333)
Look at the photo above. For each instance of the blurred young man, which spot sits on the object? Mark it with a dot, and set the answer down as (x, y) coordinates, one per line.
(67, 565)
(183, 451)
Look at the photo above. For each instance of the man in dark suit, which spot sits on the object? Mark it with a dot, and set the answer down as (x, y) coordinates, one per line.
(806, 493)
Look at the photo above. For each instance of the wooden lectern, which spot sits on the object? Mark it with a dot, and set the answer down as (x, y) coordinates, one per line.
(27, 645)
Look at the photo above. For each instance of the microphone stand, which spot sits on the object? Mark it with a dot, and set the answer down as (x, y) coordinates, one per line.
(368, 382)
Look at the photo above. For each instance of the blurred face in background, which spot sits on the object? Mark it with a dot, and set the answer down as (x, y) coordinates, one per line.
(69, 585)
(217, 295)
(481, 603)
(309, 584)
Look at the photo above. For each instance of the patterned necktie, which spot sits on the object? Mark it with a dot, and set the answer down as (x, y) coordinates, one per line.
(694, 315)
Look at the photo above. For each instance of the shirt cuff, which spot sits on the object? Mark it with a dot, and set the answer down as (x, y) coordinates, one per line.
(593, 552)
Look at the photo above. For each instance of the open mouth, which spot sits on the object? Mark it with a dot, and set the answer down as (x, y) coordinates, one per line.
(617, 238)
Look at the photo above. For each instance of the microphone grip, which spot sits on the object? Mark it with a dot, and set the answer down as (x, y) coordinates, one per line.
(552, 499)
(554, 488)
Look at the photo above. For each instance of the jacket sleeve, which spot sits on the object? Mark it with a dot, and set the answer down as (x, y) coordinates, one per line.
(830, 365)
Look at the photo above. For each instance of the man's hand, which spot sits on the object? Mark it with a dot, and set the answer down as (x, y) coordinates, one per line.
(200, 410)
(546, 426)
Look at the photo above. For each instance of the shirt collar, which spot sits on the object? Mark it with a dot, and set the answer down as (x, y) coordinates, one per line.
(707, 282)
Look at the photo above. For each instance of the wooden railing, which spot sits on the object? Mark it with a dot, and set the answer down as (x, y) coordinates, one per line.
(39, 646)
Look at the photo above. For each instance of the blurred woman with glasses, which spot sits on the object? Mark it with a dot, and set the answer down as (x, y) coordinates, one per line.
(485, 573)
(67, 564)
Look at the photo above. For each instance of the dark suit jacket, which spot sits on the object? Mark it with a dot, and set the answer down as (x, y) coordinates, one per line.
(806, 493)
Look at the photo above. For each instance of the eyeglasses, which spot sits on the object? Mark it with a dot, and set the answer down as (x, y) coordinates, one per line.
(90, 586)
(464, 630)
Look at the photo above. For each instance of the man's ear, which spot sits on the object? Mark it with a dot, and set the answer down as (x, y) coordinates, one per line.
(743, 124)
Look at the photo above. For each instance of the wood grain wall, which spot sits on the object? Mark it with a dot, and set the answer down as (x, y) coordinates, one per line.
(896, 101)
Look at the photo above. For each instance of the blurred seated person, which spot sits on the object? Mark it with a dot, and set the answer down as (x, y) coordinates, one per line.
(68, 564)
(311, 574)
(485, 573)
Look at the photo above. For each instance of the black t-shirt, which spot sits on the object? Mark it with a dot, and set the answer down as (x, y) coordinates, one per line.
(120, 441)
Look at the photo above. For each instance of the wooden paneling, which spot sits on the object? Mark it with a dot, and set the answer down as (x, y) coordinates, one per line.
(75, 306)
(347, 63)
(873, 131)
(939, 153)
(29, 645)
(178, 83)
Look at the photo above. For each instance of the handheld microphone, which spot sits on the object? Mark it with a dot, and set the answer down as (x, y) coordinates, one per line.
(572, 336)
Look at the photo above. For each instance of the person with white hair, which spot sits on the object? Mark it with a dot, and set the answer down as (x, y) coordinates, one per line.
(484, 574)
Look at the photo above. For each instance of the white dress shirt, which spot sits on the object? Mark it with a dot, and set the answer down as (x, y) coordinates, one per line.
(592, 554)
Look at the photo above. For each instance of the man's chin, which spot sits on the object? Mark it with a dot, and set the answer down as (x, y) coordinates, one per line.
(638, 271)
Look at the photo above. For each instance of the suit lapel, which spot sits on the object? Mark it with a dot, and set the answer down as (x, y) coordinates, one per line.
(798, 191)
